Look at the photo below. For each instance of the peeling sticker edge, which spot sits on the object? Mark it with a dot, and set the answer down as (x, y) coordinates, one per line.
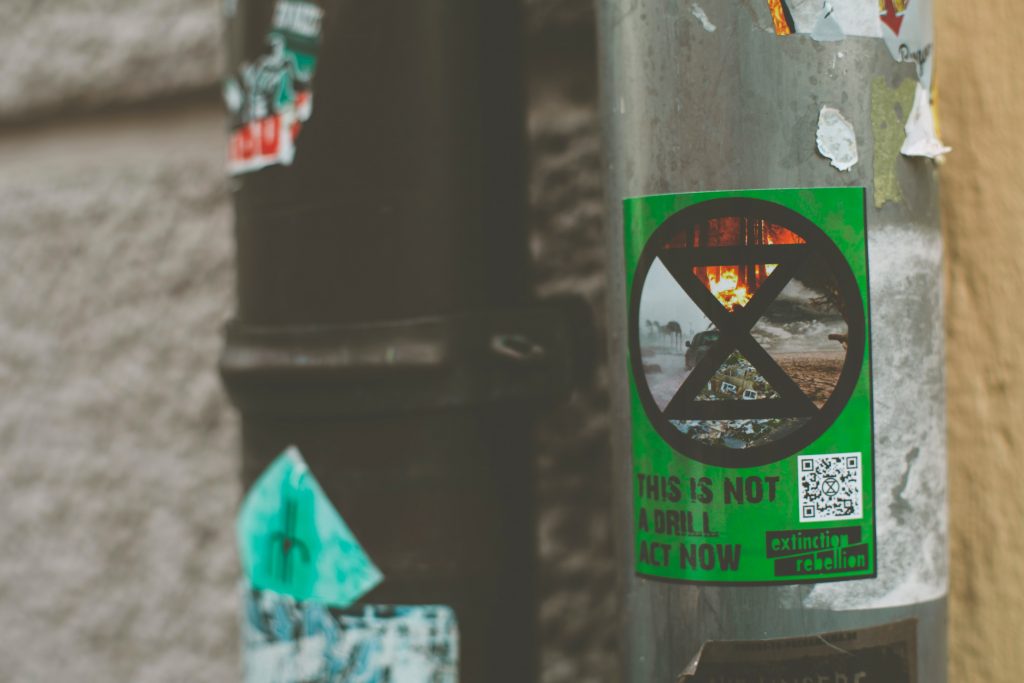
(922, 135)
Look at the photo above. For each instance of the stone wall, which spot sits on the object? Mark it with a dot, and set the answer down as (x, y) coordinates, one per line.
(118, 472)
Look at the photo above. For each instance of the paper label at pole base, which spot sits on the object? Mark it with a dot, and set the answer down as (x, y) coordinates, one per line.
(287, 641)
(886, 654)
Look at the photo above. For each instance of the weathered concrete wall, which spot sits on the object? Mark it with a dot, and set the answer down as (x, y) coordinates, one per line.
(118, 468)
(118, 472)
(62, 57)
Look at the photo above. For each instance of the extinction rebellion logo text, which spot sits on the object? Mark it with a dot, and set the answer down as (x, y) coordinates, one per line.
(821, 551)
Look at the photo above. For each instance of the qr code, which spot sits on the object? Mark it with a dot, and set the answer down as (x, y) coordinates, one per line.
(830, 487)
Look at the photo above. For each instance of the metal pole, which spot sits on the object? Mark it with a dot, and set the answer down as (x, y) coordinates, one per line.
(707, 96)
(384, 321)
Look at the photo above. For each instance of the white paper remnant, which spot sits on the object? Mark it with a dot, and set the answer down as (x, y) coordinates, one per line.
(853, 17)
(922, 139)
(837, 140)
(702, 17)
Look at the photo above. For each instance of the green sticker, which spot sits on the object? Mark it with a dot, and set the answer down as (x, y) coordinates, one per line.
(749, 353)
(293, 541)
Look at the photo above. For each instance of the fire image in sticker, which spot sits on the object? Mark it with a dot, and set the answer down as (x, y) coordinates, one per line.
(782, 18)
(743, 333)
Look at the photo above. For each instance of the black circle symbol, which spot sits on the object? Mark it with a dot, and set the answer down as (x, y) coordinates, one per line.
(830, 487)
(732, 394)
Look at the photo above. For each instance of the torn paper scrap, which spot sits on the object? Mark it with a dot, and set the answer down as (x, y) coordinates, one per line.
(293, 541)
(826, 17)
(837, 140)
(827, 29)
(286, 641)
(922, 139)
(702, 17)
(907, 27)
(269, 95)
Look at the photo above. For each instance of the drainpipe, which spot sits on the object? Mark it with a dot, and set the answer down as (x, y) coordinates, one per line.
(735, 526)
(385, 325)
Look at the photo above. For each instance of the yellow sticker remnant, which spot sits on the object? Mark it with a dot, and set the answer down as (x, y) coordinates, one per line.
(890, 107)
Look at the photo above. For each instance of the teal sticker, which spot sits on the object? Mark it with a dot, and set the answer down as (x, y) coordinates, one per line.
(293, 541)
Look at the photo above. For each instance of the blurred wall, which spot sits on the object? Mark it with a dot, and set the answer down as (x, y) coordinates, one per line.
(119, 452)
(982, 110)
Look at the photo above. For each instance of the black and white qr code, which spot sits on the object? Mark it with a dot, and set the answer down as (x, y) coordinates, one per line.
(830, 487)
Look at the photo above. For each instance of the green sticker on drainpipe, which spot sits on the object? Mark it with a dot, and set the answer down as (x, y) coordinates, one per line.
(293, 541)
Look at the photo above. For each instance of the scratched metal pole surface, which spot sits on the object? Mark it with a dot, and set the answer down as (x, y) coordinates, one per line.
(688, 109)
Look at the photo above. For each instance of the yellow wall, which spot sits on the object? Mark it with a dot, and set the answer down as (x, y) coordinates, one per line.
(981, 104)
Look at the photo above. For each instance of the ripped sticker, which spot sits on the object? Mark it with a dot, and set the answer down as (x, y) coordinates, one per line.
(907, 27)
(293, 541)
(290, 641)
(922, 135)
(270, 95)
(836, 138)
(882, 654)
(826, 20)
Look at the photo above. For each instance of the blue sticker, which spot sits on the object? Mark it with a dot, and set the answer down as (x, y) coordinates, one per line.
(289, 641)
(293, 541)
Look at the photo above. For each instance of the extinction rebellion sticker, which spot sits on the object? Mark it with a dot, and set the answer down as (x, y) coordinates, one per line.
(751, 386)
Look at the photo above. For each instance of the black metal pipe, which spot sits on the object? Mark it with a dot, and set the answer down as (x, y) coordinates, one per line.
(384, 320)
(406, 195)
